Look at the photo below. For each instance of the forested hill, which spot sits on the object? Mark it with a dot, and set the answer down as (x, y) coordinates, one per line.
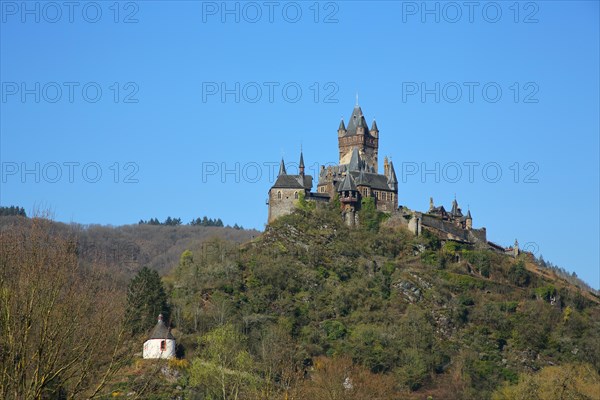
(308, 310)
(410, 317)
(125, 249)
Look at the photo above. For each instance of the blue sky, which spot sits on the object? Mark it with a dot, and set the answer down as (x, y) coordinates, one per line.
(116, 111)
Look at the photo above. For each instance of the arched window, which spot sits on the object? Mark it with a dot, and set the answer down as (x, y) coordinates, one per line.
(163, 345)
(279, 195)
(296, 195)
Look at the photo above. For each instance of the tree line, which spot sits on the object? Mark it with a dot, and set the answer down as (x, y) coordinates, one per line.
(12, 210)
(204, 221)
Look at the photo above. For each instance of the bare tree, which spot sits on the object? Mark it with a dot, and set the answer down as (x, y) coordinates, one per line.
(60, 326)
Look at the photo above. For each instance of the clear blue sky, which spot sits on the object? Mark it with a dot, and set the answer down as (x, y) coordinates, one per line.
(183, 147)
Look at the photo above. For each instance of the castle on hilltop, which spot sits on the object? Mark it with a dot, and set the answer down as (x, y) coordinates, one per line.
(356, 178)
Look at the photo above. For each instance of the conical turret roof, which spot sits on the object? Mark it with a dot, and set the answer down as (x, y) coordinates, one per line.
(392, 179)
(282, 170)
(356, 119)
(161, 331)
(347, 184)
(355, 162)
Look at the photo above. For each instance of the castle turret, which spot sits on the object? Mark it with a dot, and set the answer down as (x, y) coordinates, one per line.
(392, 180)
(456, 211)
(431, 205)
(341, 128)
(348, 195)
(374, 130)
(516, 248)
(469, 220)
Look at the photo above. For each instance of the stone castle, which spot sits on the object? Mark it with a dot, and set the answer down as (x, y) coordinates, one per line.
(356, 178)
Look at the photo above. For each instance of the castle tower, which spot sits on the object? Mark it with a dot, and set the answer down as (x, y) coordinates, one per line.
(358, 135)
(469, 220)
(287, 189)
(348, 195)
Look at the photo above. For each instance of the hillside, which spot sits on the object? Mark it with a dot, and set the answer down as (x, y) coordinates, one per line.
(417, 316)
(125, 249)
(310, 309)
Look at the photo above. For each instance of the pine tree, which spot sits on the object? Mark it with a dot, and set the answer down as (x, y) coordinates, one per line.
(146, 298)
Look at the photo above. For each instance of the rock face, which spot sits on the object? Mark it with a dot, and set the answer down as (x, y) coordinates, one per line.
(409, 290)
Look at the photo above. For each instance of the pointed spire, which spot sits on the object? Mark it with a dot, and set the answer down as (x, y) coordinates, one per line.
(454, 210)
(392, 179)
(342, 126)
(356, 99)
(301, 164)
(361, 178)
(469, 214)
(348, 184)
(374, 126)
(355, 161)
(282, 170)
(357, 120)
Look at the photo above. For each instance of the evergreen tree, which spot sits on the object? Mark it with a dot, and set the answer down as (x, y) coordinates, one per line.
(146, 298)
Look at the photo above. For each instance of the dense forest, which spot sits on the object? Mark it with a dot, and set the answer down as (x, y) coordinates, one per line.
(310, 309)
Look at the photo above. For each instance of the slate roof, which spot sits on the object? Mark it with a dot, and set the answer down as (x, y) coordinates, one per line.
(466, 217)
(455, 210)
(293, 182)
(161, 331)
(374, 181)
(392, 179)
(355, 161)
(285, 181)
(347, 184)
(356, 119)
(374, 126)
(282, 170)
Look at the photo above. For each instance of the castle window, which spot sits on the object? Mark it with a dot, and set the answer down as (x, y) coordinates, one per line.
(163, 345)
(296, 195)
(279, 195)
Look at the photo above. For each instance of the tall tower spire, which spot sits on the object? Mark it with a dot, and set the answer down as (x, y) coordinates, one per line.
(301, 164)
(282, 170)
(356, 99)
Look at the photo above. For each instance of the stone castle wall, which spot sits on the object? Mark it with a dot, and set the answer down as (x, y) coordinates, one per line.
(284, 205)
